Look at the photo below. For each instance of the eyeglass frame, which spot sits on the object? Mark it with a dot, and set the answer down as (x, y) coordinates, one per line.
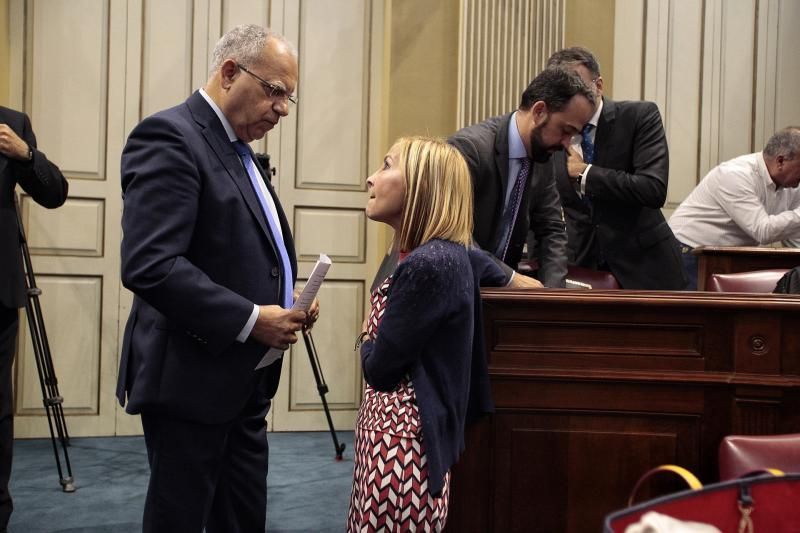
(270, 89)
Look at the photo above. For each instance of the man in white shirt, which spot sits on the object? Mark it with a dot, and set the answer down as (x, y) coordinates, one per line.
(748, 201)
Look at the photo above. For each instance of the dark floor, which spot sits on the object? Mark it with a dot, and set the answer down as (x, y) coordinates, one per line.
(308, 489)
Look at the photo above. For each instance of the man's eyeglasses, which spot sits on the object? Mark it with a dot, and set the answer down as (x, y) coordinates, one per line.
(272, 90)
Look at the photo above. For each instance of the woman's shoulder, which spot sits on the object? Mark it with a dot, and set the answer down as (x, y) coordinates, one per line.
(438, 253)
(436, 259)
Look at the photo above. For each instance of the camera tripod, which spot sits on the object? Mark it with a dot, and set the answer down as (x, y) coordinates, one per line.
(322, 388)
(267, 171)
(51, 398)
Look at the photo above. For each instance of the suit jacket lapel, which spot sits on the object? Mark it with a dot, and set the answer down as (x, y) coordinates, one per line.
(605, 132)
(217, 139)
(501, 158)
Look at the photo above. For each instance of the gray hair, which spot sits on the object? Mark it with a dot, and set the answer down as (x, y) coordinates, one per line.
(785, 142)
(245, 45)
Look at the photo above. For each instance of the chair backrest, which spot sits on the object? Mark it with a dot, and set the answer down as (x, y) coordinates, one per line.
(743, 454)
(595, 278)
(763, 281)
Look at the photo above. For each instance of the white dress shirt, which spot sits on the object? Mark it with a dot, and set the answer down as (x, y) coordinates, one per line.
(738, 204)
(577, 139)
(248, 326)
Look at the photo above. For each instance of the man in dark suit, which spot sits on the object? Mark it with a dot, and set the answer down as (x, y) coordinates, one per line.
(613, 185)
(20, 163)
(208, 253)
(499, 153)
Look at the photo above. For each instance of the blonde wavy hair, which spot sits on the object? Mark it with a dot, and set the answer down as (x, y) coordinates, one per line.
(438, 193)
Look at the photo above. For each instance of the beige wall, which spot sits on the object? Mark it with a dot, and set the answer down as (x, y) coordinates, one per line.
(590, 23)
(421, 75)
(423, 68)
(4, 74)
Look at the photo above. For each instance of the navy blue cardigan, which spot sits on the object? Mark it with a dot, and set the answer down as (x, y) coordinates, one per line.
(427, 331)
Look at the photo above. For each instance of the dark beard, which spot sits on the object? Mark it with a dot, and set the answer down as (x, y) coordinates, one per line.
(540, 153)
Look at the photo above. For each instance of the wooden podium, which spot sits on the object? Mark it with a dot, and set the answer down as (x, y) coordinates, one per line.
(593, 388)
(727, 259)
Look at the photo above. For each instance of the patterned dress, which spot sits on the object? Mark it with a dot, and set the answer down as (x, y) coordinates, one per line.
(390, 484)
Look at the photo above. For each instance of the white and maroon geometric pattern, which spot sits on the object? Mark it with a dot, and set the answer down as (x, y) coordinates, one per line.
(390, 482)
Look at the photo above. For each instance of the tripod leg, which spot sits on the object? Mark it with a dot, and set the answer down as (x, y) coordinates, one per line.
(51, 398)
(52, 405)
(322, 387)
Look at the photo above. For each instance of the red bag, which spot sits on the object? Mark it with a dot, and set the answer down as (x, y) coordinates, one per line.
(763, 504)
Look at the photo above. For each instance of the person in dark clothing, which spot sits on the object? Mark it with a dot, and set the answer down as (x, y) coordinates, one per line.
(613, 184)
(20, 163)
(417, 350)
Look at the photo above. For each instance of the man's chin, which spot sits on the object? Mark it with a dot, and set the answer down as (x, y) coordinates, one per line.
(541, 156)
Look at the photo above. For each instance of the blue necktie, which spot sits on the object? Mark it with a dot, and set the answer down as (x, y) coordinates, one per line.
(587, 146)
(274, 227)
(510, 213)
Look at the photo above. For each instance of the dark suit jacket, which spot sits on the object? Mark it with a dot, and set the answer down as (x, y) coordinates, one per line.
(485, 148)
(197, 253)
(626, 187)
(44, 182)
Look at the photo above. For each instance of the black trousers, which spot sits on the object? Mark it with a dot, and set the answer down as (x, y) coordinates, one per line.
(9, 324)
(211, 476)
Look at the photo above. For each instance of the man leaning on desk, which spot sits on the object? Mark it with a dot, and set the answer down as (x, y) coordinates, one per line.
(750, 200)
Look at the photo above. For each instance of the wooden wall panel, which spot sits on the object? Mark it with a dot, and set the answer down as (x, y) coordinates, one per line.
(166, 55)
(503, 45)
(68, 77)
(721, 72)
(331, 122)
(75, 350)
(76, 228)
(339, 233)
(340, 363)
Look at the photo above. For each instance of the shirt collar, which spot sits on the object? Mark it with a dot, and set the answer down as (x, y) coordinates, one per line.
(763, 172)
(516, 148)
(225, 124)
(596, 117)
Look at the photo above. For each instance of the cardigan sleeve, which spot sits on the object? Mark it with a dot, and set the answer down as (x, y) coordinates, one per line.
(418, 302)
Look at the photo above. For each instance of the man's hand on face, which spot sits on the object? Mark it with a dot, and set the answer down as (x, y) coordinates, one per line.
(575, 164)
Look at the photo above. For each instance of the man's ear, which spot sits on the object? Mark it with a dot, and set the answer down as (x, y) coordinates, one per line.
(539, 111)
(228, 72)
(599, 84)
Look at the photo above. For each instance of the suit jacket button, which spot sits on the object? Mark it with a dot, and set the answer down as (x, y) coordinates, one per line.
(275, 272)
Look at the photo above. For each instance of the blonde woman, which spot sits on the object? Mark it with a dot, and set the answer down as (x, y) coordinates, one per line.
(417, 343)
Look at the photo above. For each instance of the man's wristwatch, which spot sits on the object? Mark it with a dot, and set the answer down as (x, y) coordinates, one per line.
(30, 153)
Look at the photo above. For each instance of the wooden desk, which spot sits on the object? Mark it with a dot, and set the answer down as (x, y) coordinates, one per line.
(726, 259)
(593, 388)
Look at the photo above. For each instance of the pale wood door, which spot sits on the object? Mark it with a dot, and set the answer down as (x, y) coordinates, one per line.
(93, 69)
(67, 54)
(323, 153)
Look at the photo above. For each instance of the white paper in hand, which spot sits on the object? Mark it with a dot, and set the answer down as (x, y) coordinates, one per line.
(302, 303)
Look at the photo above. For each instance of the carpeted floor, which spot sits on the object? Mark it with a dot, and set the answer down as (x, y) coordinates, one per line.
(308, 490)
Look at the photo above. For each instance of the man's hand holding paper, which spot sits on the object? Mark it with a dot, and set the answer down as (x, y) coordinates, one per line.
(275, 326)
(306, 306)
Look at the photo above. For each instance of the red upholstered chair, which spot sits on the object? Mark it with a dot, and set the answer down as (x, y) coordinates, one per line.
(755, 281)
(743, 454)
(594, 278)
